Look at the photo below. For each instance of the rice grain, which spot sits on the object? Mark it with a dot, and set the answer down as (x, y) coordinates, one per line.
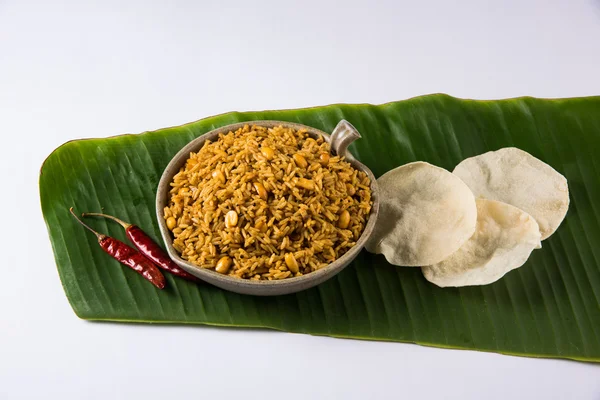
(274, 201)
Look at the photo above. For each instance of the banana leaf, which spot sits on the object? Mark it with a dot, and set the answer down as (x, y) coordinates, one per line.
(548, 308)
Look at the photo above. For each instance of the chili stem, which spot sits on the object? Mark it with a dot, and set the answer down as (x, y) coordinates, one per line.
(98, 235)
(117, 220)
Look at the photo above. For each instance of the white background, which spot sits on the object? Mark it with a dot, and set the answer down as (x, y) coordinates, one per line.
(93, 69)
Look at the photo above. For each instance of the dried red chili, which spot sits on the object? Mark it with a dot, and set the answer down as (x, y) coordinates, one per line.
(148, 247)
(126, 255)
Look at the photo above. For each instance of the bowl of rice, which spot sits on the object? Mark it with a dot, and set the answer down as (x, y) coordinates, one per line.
(266, 207)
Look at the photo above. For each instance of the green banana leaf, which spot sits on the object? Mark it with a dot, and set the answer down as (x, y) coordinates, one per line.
(548, 308)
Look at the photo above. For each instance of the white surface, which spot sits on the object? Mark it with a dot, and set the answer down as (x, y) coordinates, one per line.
(69, 71)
